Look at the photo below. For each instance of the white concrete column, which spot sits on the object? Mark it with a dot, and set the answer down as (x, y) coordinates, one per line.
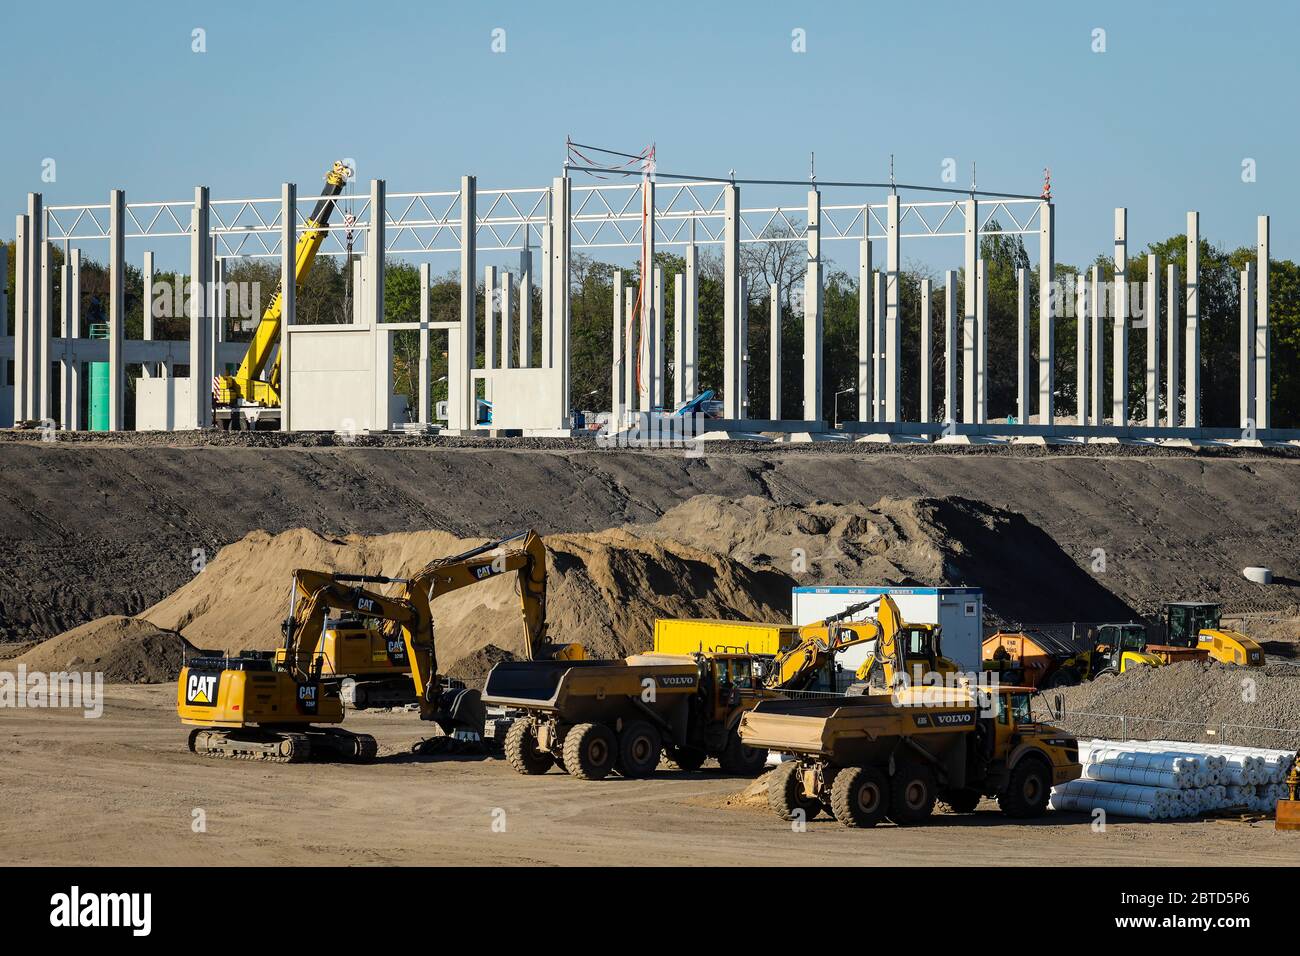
(117, 301)
(657, 367)
(1153, 341)
(1081, 349)
(72, 366)
(526, 308)
(489, 316)
(289, 293)
(1024, 357)
(691, 325)
(679, 340)
(616, 359)
(507, 326)
(927, 373)
(813, 332)
(460, 366)
(1174, 329)
(950, 346)
(147, 308)
(376, 246)
(1192, 353)
(730, 305)
(1263, 369)
(630, 347)
(774, 354)
(21, 377)
(44, 333)
(1119, 328)
(547, 281)
(424, 410)
(866, 343)
(35, 286)
(969, 315)
(1246, 348)
(893, 320)
(200, 357)
(981, 344)
(878, 345)
(1098, 338)
(1046, 321)
(561, 196)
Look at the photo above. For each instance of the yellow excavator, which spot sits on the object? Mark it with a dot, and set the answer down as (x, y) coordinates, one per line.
(900, 648)
(251, 397)
(272, 705)
(1197, 624)
(367, 659)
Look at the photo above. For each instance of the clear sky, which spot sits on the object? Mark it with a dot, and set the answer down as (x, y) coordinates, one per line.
(1160, 122)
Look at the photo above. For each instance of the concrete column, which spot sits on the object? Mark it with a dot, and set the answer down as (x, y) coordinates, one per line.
(460, 367)
(893, 321)
(526, 308)
(1024, 358)
(1172, 294)
(289, 292)
(21, 377)
(616, 359)
(927, 382)
(651, 353)
(657, 367)
(560, 202)
(969, 316)
(730, 305)
(1192, 353)
(878, 344)
(866, 343)
(691, 325)
(630, 346)
(813, 332)
(1081, 349)
(950, 346)
(981, 344)
(489, 316)
(200, 357)
(44, 333)
(148, 274)
(376, 245)
(1119, 331)
(1046, 321)
(547, 282)
(744, 347)
(774, 354)
(1263, 370)
(72, 367)
(1246, 357)
(507, 326)
(1098, 317)
(35, 286)
(117, 302)
(679, 340)
(425, 390)
(1153, 341)
(219, 316)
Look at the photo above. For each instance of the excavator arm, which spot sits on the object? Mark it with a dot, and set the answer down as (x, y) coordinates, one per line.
(247, 384)
(795, 667)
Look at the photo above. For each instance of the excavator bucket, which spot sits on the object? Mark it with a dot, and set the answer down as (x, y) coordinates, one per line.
(461, 709)
(1288, 815)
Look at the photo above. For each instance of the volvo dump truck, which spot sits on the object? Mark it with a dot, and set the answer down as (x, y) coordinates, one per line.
(590, 718)
(892, 756)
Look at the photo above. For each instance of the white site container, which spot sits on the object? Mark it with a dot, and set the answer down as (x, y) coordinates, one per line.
(960, 611)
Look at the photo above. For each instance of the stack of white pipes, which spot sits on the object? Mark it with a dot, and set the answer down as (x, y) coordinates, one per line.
(1172, 779)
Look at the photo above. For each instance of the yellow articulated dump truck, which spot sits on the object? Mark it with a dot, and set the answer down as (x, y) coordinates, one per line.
(590, 718)
(892, 756)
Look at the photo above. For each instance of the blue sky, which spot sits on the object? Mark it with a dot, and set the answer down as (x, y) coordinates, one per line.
(1160, 122)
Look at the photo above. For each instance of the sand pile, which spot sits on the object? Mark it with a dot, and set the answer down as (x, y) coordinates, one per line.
(123, 649)
(1202, 695)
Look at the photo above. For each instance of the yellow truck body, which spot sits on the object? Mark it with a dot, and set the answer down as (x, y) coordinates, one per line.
(704, 636)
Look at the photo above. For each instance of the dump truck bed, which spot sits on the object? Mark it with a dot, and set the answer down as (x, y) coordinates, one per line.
(587, 690)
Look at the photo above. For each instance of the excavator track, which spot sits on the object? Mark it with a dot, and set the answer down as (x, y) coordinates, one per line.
(284, 747)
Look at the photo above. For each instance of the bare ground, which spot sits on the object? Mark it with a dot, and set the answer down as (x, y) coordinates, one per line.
(123, 790)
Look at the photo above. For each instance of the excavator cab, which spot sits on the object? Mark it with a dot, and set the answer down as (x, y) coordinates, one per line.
(1198, 625)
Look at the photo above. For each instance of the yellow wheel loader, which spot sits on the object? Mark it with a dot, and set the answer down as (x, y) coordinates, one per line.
(1197, 625)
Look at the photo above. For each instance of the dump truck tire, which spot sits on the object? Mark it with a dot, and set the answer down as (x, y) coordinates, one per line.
(912, 793)
(639, 749)
(960, 801)
(590, 751)
(860, 796)
(1028, 790)
(522, 751)
(785, 793)
(687, 758)
(740, 760)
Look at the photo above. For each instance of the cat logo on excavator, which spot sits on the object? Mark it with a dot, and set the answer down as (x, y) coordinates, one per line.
(201, 689)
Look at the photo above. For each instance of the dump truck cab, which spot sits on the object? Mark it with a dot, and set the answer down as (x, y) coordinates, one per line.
(1197, 625)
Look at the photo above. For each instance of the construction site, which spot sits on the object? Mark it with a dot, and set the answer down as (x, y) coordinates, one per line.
(641, 516)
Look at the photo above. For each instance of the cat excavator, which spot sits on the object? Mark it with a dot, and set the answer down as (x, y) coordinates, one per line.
(276, 706)
(913, 650)
(251, 397)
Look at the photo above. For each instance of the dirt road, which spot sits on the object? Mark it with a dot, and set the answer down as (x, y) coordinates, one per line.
(123, 790)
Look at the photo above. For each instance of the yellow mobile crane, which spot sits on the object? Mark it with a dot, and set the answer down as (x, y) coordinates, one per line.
(247, 395)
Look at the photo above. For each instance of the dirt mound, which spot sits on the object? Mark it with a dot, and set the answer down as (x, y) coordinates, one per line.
(932, 542)
(1192, 701)
(124, 649)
